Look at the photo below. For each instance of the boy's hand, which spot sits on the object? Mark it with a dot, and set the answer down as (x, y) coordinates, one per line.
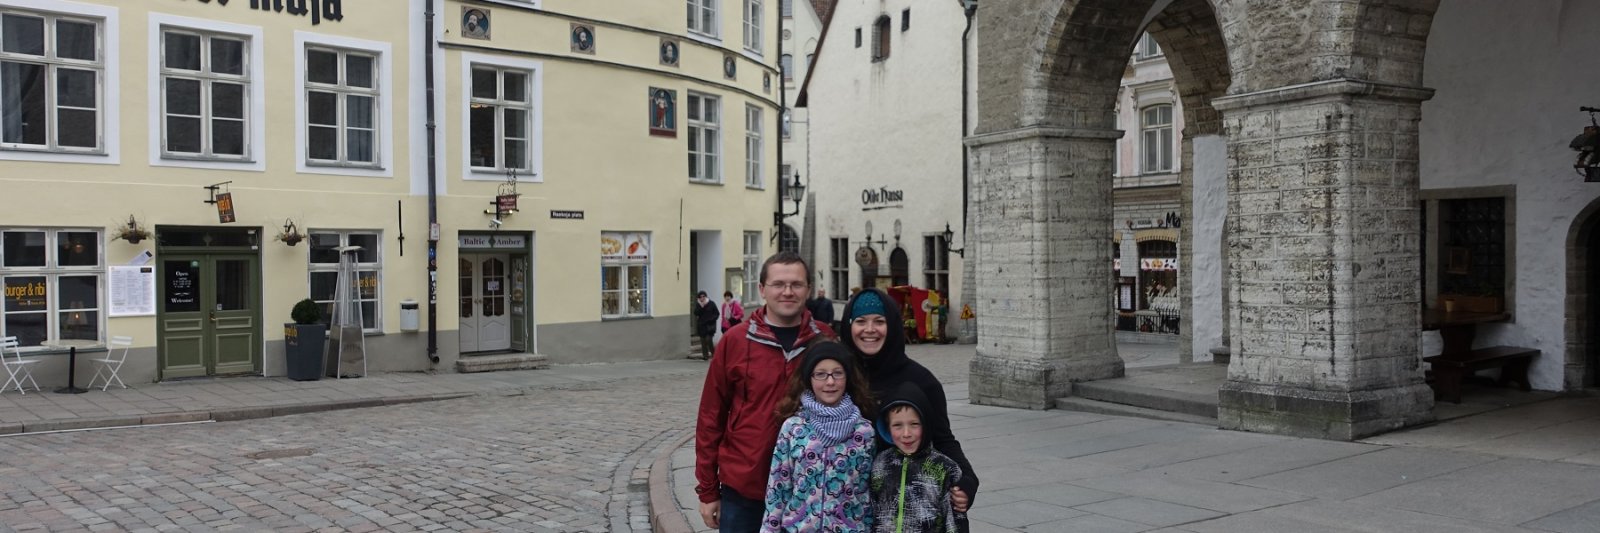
(711, 512)
(958, 500)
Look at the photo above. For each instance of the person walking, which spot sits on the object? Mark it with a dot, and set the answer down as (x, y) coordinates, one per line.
(735, 430)
(705, 314)
(878, 341)
(732, 311)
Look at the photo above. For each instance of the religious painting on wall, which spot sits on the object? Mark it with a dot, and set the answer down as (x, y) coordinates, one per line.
(475, 23)
(766, 82)
(669, 52)
(663, 112)
(583, 38)
(730, 67)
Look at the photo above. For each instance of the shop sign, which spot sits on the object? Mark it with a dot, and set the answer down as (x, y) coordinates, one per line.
(492, 241)
(881, 198)
(25, 294)
(506, 203)
(1158, 264)
(225, 208)
(319, 10)
(625, 245)
(570, 215)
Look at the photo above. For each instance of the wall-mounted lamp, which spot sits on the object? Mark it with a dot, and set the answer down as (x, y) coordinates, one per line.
(794, 192)
(950, 235)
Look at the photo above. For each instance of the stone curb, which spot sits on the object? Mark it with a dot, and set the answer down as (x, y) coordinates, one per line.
(220, 415)
(665, 517)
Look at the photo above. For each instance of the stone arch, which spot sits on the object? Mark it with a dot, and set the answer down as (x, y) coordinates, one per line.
(1583, 260)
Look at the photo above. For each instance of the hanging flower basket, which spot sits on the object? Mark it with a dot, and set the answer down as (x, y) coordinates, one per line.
(132, 232)
(291, 235)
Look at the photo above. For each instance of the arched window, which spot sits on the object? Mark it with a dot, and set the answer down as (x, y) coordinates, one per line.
(1155, 140)
(786, 64)
(880, 39)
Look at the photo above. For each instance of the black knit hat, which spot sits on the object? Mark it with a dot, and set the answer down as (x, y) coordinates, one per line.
(822, 350)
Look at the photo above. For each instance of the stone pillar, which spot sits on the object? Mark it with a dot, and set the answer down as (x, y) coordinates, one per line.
(1324, 280)
(1044, 283)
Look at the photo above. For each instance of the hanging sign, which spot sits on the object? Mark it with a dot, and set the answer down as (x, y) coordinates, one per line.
(506, 203)
(225, 208)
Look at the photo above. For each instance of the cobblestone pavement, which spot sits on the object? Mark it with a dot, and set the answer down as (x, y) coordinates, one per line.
(573, 458)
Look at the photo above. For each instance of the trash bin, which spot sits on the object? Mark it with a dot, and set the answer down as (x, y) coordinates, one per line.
(303, 349)
(408, 315)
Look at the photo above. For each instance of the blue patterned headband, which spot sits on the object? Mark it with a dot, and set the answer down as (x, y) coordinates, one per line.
(867, 303)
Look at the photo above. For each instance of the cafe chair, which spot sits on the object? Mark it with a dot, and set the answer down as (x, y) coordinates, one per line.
(18, 370)
(109, 365)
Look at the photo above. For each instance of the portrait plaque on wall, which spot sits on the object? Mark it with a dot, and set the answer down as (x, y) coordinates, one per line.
(663, 112)
(474, 22)
(669, 52)
(583, 38)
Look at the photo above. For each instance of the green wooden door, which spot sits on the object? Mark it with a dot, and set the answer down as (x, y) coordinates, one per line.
(210, 316)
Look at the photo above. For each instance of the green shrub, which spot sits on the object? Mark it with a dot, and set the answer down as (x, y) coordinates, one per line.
(306, 312)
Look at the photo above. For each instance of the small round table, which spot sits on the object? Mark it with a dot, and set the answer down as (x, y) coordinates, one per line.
(72, 346)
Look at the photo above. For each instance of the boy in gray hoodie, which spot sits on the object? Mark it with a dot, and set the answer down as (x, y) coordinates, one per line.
(910, 480)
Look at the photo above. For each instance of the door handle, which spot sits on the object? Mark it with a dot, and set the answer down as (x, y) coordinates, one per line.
(213, 316)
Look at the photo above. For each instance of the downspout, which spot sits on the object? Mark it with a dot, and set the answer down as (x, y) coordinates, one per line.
(783, 115)
(966, 173)
(433, 187)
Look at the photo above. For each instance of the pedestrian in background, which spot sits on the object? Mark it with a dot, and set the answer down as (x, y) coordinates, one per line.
(732, 311)
(823, 460)
(705, 314)
(822, 308)
(735, 431)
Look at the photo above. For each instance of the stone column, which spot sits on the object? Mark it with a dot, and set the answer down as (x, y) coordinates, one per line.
(1324, 280)
(1044, 283)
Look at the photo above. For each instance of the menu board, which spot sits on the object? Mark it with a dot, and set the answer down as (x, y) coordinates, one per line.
(132, 291)
(182, 292)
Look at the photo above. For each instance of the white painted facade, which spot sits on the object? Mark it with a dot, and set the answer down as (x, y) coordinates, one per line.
(888, 124)
(802, 28)
(1502, 116)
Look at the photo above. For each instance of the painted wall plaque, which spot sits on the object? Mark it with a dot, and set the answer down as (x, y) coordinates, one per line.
(669, 52)
(730, 67)
(474, 23)
(663, 112)
(583, 38)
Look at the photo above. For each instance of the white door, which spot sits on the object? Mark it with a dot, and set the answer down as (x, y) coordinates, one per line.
(485, 309)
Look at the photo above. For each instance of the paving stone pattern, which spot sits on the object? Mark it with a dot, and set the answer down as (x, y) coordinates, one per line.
(571, 458)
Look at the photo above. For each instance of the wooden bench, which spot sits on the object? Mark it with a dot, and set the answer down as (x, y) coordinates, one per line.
(1450, 369)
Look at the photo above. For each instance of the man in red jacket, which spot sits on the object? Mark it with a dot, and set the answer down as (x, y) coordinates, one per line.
(737, 427)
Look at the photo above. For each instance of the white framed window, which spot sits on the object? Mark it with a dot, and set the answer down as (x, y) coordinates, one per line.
(1155, 139)
(752, 267)
(223, 128)
(323, 268)
(205, 94)
(705, 138)
(703, 17)
(752, 26)
(624, 274)
(502, 119)
(936, 264)
(53, 280)
(342, 106)
(53, 81)
(1147, 47)
(839, 267)
(786, 65)
(753, 150)
(788, 8)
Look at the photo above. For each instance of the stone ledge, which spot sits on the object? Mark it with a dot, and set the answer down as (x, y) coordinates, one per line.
(1340, 88)
(665, 517)
(1334, 415)
(1033, 383)
(510, 361)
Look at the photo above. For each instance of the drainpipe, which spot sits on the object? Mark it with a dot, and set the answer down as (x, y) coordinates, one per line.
(783, 113)
(966, 34)
(433, 188)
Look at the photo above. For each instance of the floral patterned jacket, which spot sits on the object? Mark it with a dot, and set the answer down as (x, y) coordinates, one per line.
(817, 488)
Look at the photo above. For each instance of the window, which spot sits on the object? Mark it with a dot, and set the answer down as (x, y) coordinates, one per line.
(786, 119)
(786, 64)
(752, 146)
(52, 82)
(810, 61)
(1155, 141)
(752, 26)
(880, 39)
(52, 280)
(341, 107)
(839, 267)
(704, 143)
(936, 264)
(788, 8)
(324, 271)
(752, 266)
(624, 275)
(1147, 47)
(905, 19)
(205, 94)
(499, 119)
(858, 37)
(703, 17)
(1472, 244)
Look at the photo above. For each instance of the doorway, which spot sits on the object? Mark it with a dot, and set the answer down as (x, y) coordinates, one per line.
(209, 319)
(485, 309)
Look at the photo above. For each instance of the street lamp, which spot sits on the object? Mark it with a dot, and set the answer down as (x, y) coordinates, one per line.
(794, 192)
(950, 235)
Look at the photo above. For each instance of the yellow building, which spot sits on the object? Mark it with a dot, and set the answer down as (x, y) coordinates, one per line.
(630, 151)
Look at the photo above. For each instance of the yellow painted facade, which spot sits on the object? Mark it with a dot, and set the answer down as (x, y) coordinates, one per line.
(592, 155)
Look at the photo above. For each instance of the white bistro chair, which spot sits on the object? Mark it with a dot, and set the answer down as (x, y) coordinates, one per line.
(18, 370)
(112, 362)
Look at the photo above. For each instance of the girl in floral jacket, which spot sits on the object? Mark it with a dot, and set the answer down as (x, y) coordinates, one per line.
(823, 460)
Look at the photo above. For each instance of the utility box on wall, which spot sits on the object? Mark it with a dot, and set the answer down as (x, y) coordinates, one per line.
(409, 315)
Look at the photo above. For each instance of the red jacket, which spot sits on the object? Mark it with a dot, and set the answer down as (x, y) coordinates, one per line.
(737, 428)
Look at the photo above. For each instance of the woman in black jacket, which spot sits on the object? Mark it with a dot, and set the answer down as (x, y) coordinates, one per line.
(878, 341)
(705, 314)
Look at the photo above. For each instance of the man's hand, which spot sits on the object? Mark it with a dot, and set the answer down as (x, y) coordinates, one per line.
(711, 512)
(958, 500)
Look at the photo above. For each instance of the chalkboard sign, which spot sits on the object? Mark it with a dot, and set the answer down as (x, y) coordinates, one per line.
(182, 293)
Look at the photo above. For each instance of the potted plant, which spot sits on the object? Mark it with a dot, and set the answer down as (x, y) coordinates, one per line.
(304, 341)
(290, 234)
(132, 232)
